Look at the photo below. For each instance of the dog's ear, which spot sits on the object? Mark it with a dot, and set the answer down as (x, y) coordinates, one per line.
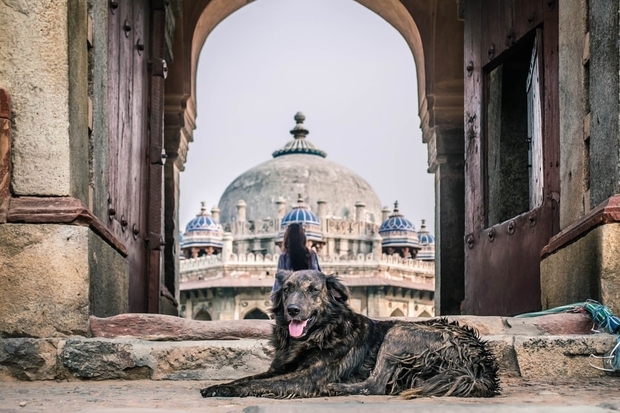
(337, 290)
(276, 293)
(282, 276)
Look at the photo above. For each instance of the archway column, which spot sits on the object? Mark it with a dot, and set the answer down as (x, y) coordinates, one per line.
(446, 161)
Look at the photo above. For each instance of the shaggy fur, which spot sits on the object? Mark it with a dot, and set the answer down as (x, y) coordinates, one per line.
(323, 348)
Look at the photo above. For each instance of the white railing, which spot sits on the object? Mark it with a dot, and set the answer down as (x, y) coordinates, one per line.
(390, 261)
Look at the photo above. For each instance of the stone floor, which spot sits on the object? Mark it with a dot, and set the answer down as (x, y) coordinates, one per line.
(545, 365)
(519, 395)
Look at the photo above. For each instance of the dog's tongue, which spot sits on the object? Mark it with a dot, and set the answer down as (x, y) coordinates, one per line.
(296, 328)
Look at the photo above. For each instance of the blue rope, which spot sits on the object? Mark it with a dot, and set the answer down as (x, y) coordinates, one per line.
(603, 318)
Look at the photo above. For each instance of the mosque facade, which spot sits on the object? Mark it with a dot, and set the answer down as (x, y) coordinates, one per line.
(230, 253)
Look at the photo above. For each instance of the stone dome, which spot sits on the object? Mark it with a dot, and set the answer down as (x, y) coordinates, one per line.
(299, 168)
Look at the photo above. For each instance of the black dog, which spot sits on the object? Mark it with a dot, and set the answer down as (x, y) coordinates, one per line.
(323, 348)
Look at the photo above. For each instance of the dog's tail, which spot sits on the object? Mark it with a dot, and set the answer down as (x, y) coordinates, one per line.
(457, 383)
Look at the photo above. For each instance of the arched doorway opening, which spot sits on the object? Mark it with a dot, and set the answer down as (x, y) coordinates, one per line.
(203, 315)
(256, 314)
(434, 34)
(397, 313)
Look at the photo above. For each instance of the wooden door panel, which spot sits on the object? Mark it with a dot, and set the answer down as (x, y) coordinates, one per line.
(502, 265)
(128, 97)
(502, 252)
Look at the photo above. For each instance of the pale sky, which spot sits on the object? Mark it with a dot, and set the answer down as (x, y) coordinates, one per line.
(343, 66)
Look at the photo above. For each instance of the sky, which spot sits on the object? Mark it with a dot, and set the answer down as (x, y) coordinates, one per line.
(348, 70)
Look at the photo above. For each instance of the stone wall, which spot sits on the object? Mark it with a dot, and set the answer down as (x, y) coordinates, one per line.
(54, 277)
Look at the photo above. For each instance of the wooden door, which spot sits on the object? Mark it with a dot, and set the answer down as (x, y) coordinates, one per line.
(512, 152)
(131, 137)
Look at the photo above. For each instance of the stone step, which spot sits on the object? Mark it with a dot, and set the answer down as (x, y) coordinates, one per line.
(540, 356)
(157, 327)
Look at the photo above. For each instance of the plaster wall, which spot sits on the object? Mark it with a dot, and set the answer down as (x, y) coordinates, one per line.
(589, 268)
(573, 98)
(54, 277)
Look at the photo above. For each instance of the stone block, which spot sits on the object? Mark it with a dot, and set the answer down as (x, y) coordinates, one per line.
(35, 70)
(561, 357)
(102, 360)
(209, 360)
(588, 268)
(29, 358)
(54, 277)
(503, 348)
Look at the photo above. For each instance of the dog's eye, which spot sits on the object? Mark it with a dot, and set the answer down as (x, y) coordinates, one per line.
(313, 290)
(285, 290)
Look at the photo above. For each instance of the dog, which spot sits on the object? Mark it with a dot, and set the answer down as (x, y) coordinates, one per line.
(323, 348)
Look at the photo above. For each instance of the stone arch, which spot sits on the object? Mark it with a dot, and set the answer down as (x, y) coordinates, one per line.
(434, 32)
(256, 314)
(424, 314)
(397, 313)
(203, 314)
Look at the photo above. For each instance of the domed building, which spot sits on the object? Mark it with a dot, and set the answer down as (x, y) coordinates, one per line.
(230, 255)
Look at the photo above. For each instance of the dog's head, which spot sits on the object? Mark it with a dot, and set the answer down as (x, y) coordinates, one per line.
(305, 299)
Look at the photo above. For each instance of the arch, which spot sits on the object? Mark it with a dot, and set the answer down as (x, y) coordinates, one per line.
(391, 11)
(433, 29)
(256, 314)
(397, 313)
(424, 314)
(203, 315)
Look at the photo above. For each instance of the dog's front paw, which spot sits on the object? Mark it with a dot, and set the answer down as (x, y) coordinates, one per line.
(219, 390)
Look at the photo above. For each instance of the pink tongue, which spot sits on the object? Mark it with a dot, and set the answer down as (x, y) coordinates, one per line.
(296, 328)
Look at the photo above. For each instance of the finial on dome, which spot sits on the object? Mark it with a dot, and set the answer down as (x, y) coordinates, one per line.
(300, 199)
(203, 208)
(299, 117)
(299, 131)
(395, 206)
(423, 225)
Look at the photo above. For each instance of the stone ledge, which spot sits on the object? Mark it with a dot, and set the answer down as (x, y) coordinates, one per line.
(156, 327)
(532, 357)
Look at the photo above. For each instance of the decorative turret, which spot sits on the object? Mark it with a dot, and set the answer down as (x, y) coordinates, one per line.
(399, 235)
(427, 242)
(203, 235)
(301, 214)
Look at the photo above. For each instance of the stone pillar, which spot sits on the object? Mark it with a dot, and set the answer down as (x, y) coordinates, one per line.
(376, 247)
(360, 211)
(320, 213)
(215, 213)
(55, 275)
(227, 248)
(344, 247)
(449, 234)
(385, 213)
(280, 212)
(241, 205)
(604, 103)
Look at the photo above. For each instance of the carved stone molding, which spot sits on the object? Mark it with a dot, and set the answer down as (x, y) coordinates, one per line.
(60, 210)
(606, 213)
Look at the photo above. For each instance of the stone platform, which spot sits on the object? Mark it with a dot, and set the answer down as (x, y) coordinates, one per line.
(156, 347)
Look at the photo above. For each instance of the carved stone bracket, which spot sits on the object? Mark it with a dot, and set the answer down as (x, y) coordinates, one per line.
(606, 213)
(60, 210)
